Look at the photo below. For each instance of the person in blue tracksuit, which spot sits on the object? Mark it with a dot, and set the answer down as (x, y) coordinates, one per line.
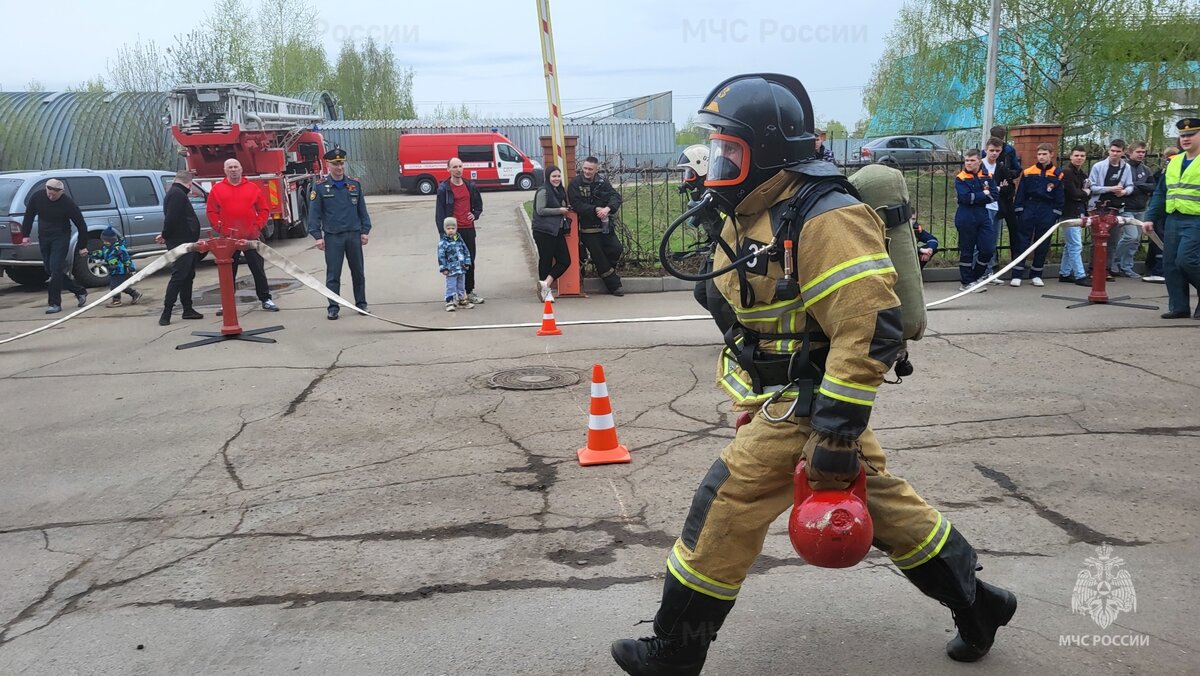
(1039, 205)
(976, 231)
(927, 244)
(338, 220)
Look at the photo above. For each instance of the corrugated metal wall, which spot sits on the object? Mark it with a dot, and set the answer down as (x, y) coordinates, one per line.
(125, 131)
(371, 144)
(80, 129)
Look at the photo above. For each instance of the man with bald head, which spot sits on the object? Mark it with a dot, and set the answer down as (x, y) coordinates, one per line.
(55, 211)
(237, 209)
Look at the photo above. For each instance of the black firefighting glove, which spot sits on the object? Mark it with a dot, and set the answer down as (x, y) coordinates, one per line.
(832, 461)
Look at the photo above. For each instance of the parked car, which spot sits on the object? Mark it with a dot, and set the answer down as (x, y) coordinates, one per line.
(489, 159)
(905, 151)
(128, 200)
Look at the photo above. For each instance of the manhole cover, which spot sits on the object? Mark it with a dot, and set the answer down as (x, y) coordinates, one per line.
(533, 378)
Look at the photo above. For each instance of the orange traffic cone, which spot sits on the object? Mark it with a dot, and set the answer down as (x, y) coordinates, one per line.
(602, 446)
(549, 328)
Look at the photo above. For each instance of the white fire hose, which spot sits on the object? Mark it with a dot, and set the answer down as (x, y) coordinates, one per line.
(1069, 223)
(283, 263)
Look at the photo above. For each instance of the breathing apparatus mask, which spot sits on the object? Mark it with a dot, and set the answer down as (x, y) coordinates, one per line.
(759, 123)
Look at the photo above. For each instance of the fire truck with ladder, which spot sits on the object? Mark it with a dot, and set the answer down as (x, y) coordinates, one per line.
(273, 137)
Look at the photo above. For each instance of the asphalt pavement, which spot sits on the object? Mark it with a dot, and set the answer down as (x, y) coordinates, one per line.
(359, 498)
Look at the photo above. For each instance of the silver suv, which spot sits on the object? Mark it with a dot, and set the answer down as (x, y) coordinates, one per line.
(128, 200)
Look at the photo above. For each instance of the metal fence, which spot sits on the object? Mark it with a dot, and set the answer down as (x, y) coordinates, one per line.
(653, 201)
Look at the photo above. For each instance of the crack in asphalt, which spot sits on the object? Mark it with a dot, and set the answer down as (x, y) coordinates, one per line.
(1147, 432)
(72, 602)
(312, 385)
(1118, 362)
(960, 347)
(229, 468)
(1079, 532)
(305, 599)
(980, 420)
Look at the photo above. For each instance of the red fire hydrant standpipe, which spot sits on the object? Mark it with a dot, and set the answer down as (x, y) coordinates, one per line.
(1101, 225)
(223, 250)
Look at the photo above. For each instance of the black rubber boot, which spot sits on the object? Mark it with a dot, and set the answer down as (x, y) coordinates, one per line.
(977, 625)
(978, 608)
(686, 623)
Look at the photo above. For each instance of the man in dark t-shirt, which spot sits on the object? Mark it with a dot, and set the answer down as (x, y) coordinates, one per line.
(461, 199)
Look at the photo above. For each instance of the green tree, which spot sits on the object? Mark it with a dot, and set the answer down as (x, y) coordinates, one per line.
(291, 60)
(95, 85)
(860, 128)
(140, 67)
(369, 84)
(833, 128)
(690, 134)
(1074, 62)
(35, 85)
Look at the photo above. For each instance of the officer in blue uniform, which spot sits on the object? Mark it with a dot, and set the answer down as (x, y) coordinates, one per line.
(338, 220)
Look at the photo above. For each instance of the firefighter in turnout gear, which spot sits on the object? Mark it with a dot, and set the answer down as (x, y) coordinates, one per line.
(804, 265)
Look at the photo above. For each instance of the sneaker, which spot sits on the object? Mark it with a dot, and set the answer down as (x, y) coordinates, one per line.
(363, 307)
(270, 305)
(165, 318)
(115, 302)
(618, 292)
(450, 307)
(137, 295)
(82, 298)
(474, 298)
(543, 290)
(1083, 281)
(1155, 279)
(220, 312)
(1037, 281)
(466, 305)
(52, 309)
(189, 313)
(975, 286)
(331, 313)
(997, 282)
(1015, 282)
(1065, 280)
(1130, 274)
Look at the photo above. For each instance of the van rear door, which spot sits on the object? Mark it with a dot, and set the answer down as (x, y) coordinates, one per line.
(509, 163)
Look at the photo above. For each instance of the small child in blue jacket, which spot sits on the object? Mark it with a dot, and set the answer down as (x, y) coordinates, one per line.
(119, 263)
(453, 261)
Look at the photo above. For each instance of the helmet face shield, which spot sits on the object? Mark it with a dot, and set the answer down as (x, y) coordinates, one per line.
(728, 160)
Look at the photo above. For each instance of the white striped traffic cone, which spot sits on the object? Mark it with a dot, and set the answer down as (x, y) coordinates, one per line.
(602, 445)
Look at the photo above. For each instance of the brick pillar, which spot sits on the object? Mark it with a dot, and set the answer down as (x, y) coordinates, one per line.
(1027, 137)
(569, 143)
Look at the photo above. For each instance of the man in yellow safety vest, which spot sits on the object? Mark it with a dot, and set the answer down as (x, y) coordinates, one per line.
(1176, 201)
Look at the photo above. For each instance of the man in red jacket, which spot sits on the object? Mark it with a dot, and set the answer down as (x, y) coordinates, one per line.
(237, 209)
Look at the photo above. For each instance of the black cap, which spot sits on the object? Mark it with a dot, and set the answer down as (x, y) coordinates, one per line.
(336, 154)
(1188, 126)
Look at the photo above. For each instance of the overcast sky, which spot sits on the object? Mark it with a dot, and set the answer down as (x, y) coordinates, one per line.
(487, 54)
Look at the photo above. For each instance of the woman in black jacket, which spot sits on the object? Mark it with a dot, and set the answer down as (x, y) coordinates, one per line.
(550, 231)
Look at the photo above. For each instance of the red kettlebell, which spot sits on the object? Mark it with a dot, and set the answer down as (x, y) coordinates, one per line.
(830, 528)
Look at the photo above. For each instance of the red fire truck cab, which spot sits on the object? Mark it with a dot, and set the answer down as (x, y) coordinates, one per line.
(489, 159)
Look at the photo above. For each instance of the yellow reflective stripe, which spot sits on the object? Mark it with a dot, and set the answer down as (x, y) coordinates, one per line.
(863, 395)
(840, 275)
(928, 548)
(772, 311)
(691, 579)
(739, 389)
